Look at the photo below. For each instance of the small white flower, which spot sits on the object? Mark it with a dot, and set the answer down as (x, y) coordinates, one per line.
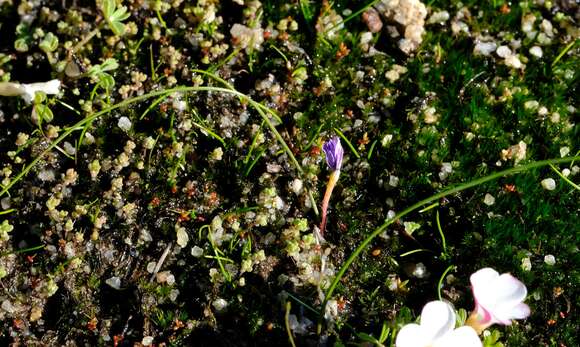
(498, 299)
(27, 91)
(437, 329)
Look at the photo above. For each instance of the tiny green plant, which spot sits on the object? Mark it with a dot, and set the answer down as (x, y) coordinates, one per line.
(114, 16)
(100, 73)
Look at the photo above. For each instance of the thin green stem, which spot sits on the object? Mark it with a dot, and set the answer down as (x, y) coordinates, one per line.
(564, 177)
(441, 233)
(450, 191)
(440, 284)
(352, 149)
(287, 323)
(564, 51)
(23, 250)
(80, 124)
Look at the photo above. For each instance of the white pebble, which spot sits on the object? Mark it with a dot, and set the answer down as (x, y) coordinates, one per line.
(489, 199)
(297, 186)
(182, 237)
(550, 259)
(147, 341)
(513, 61)
(420, 270)
(503, 51)
(536, 51)
(46, 175)
(196, 251)
(549, 184)
(114, 282)
(124, 123)
(220, 304)
(566, 172)
(438, 17)
(526, 264)
(484, 48)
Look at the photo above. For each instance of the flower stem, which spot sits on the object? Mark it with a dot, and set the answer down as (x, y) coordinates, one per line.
(332, 180)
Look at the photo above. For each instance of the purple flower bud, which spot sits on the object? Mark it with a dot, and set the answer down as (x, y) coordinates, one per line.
(334, 153)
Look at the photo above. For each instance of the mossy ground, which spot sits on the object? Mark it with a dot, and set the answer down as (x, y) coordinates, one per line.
(318, 89)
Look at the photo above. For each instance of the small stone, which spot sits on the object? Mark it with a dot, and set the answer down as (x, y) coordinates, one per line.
(219, 304)
(550, 259)
(513, 61)
(526, 264)
(124, 123)
(503, 51)
(35, 314)
(163, 276)
(536, 51)
(196, 251)
(8, 307)
(217, 154)
(373, 20)
(182, 237)
(438, 17)
(114, 282)
(5, 203)
(489, 199)
(549, 184)
(566, 172)
(147, 341)
(420, 270)
(46, 175)
(484, 48)
(297, 186)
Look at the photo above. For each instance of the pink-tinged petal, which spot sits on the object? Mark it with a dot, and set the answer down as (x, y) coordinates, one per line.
(412, 335)
(464, 336)
(437, 319)
(482, 283)
(498, 298)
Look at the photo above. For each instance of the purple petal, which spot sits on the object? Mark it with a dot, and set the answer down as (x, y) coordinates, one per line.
(334, 153)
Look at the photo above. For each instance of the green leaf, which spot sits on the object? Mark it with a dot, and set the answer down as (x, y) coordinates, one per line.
(119, 15)
(21, 45)
(44, 113)
(108, 8)
(39, 97)
(368, 338)
(106, 81)
(118, 28)
(49, 43)
(109, 64)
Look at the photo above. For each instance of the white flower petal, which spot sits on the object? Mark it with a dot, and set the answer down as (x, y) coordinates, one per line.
(437, 319)
(499, 298)
(50, 87)
(509, 290)
(10, 89)
(483, 277)
(464, 336)
(506, 313)
(412, 335)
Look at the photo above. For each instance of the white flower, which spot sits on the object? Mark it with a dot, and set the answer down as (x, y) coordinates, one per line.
(498, 299)
(437, 329)
(27, 91)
